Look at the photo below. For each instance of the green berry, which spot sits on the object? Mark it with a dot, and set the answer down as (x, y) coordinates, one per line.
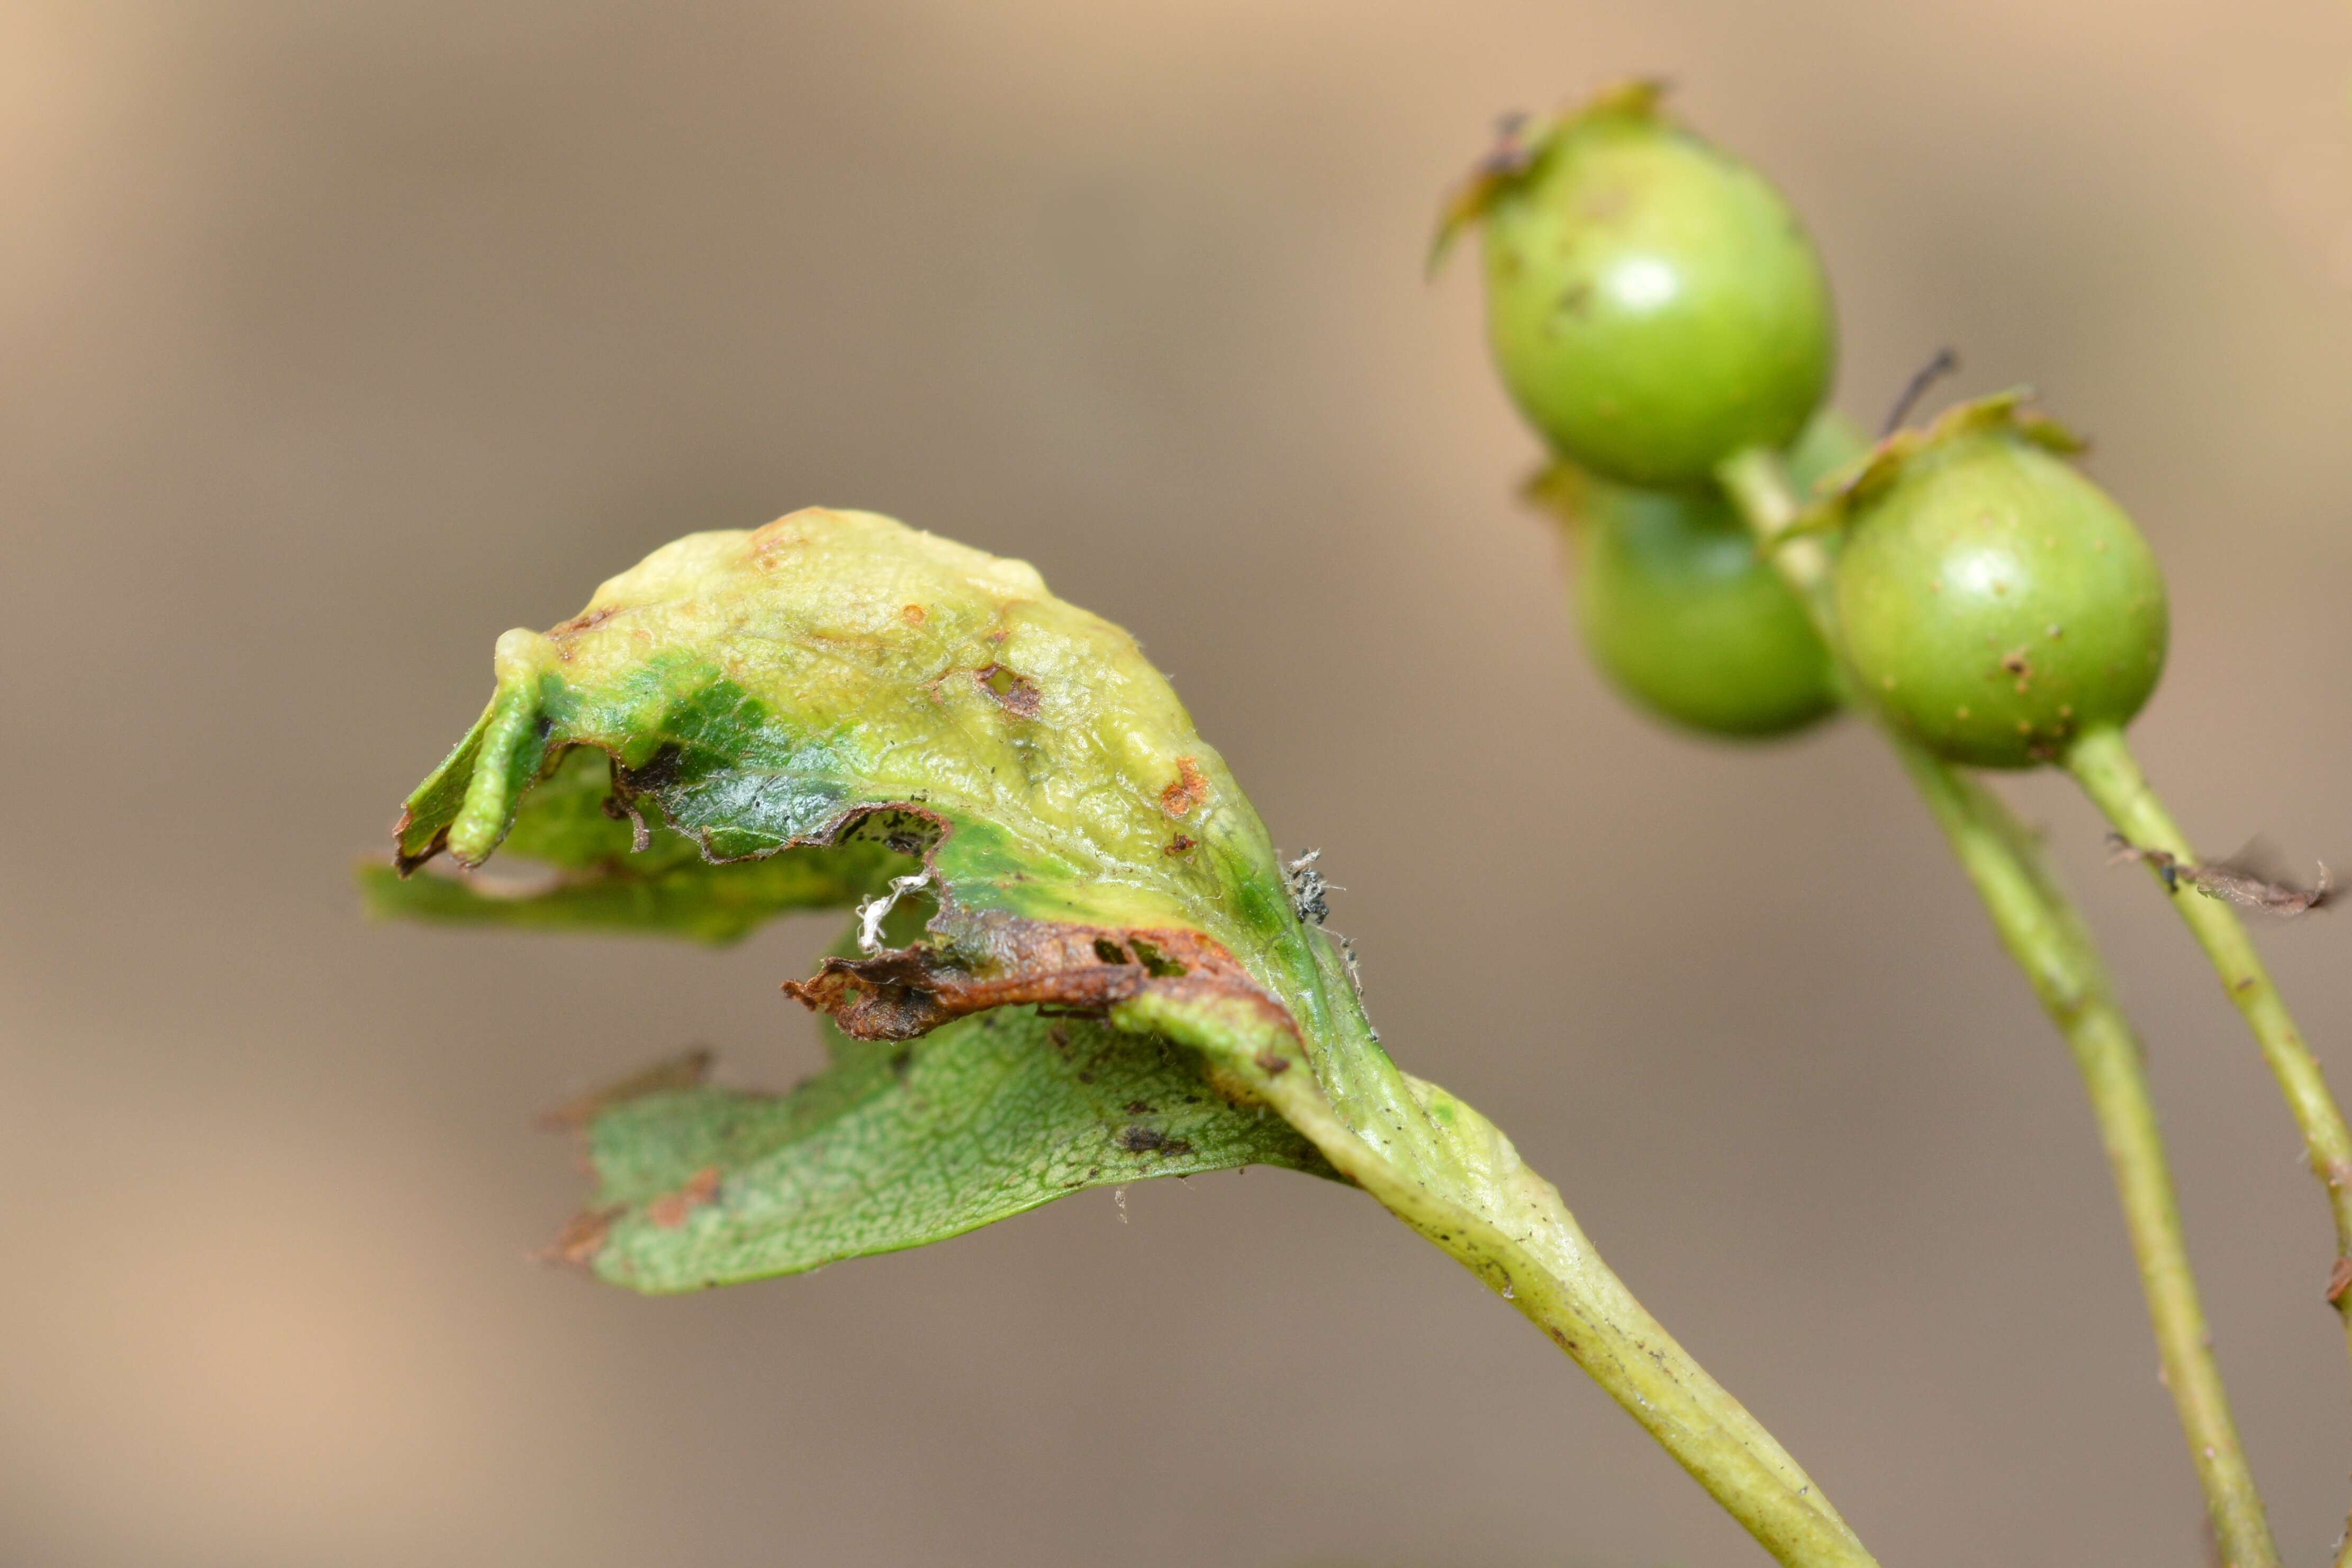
(1654, 305)
(1683, 615)
(1995, 603)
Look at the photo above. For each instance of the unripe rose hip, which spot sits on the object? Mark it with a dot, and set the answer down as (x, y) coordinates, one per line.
(1652, 303)
(1682, 614)
(1995, 601)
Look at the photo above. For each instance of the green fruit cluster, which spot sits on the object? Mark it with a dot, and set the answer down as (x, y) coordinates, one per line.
(1657, 312)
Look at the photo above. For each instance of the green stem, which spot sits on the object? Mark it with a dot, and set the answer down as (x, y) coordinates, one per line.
(1447, 1172)
(2042, 934)
(2103, 764)
(2047, 939)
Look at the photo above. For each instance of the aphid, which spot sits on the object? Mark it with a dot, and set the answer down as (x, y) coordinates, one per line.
(1309, 889)
(1309, 896)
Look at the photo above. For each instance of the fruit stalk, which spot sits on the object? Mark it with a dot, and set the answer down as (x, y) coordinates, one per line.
(2046, 938)
(2103, 764)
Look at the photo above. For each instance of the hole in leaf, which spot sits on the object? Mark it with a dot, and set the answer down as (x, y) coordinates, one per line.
(1016, 693)
(1156, 963)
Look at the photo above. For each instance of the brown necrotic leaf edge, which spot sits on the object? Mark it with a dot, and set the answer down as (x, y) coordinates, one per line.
(909, 992)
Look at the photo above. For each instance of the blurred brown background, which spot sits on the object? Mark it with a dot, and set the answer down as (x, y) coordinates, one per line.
(339, 339)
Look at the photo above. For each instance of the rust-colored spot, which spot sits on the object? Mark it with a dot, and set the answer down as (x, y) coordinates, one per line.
(1189, 791)
(1272, 1063)
(1180, 843)
(581, 1239)
(671, 1209)
(584, 622)
(2339, 1281)
(1015, 692)
(682, 1071)
(1005, 960)
(912, 614)
(790, 531)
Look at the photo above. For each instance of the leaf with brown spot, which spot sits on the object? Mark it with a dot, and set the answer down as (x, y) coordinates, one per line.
(761, 700)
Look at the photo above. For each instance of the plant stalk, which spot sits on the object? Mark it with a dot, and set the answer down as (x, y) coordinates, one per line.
(2043, 937)
(1445, 1171)
(2103, 764)
(2046, 937)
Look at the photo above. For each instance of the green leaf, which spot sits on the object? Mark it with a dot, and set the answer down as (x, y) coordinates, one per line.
(902, 1143)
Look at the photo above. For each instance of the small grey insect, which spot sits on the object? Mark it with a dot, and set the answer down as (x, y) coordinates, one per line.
(1309, 890)
(1310, 898)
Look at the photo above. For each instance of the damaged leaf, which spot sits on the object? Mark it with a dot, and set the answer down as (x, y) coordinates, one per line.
(898, 1144)
(838, 681)
(752, 723)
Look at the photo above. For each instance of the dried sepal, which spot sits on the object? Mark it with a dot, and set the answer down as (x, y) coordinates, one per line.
(1520, 143)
